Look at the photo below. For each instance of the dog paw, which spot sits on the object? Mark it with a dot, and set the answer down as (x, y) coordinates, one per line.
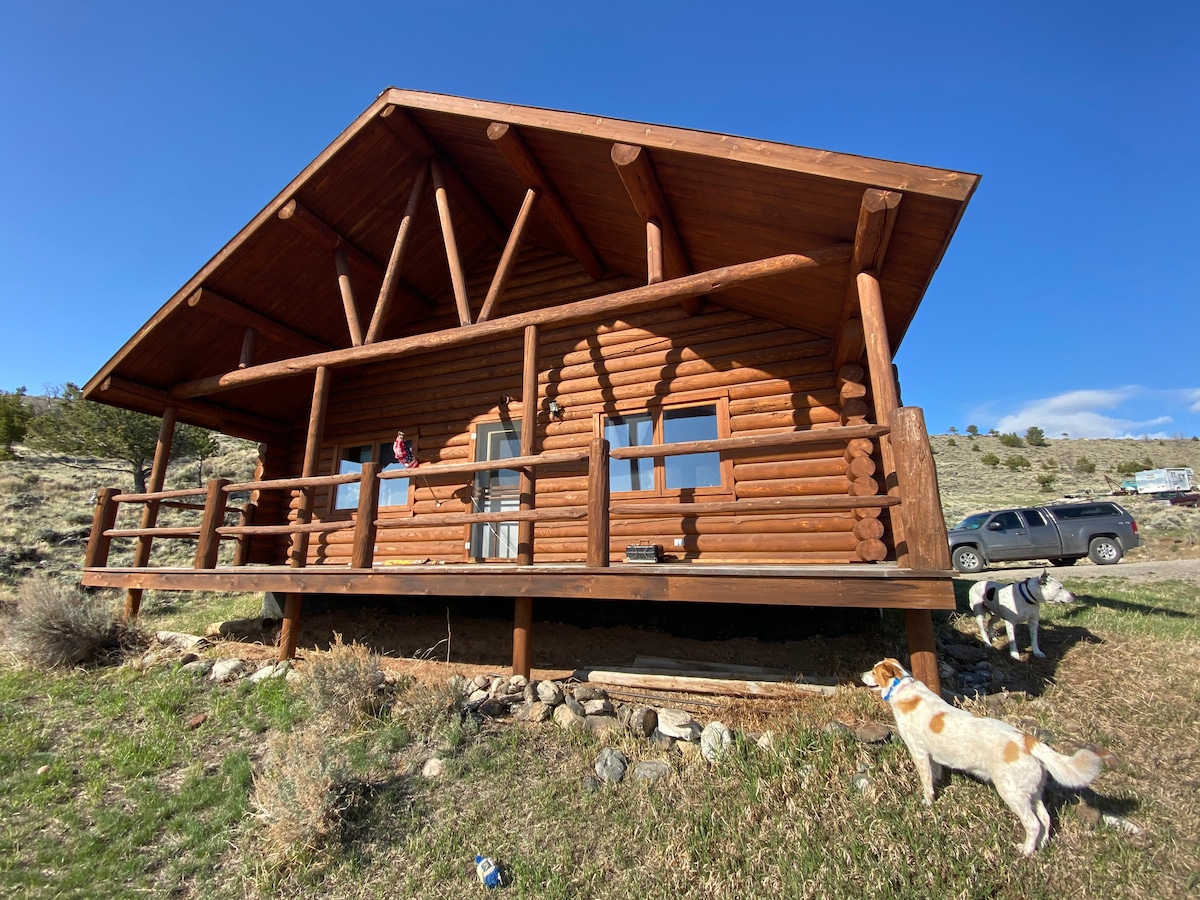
(1015, 654)
(1039, 654)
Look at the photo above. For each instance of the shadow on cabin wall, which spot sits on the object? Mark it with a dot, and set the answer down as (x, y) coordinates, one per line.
(698, 621)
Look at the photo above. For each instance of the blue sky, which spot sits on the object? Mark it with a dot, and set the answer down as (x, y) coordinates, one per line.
(138, 137)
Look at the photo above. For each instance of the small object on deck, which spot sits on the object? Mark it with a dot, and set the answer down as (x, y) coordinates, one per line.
(643, 553)
(488, 871)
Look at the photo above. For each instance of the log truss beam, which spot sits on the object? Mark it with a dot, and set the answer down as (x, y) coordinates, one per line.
(876, 219)
(619, 303)
(508, 258)
(324, 235)
(391, 277)
(662, 237)
(458, 277)
(208, 415)
(507, 139)
(413, 136)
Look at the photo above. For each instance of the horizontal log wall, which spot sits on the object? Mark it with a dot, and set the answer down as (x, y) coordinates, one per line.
(773, 378)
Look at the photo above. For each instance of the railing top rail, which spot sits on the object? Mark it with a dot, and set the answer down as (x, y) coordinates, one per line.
(514, 462)
(160, 495)
(753, 442)
(282, 484)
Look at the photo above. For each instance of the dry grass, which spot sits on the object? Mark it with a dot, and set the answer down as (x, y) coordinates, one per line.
(54, 625)
(345, 684)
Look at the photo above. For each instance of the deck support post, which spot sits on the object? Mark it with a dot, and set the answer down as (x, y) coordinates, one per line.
(597, 503)
(158, 473)
(523, 606)
(103, 518)
(209, 543)
(925, 527)
(241, 553)
(298, 555)
(362, 554)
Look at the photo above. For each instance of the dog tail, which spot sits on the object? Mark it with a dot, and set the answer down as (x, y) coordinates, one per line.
(1070, 771)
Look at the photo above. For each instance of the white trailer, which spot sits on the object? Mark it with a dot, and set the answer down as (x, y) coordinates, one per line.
(1156, 481)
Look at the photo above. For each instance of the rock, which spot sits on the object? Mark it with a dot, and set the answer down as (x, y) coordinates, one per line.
(537, 712)
(42, 770)
(271, 670)
(226, 669)
(873, 734)
(517, 683)
(766, 741)
(567, 718)
(158, 658)
(945, 670)
(477, 696)
(179, 640)
(195, 721)
(497, 686)
(529, 692)
(862, 782)
(481, 682)
(493, 709)
(643, 721)
(967, 653)
(433, 768)
(199, 667)
(598, 707)
(550, 693)
(585, 692)
(835, 727)
(661, 741)
(650, 772)
(601, 723)
(590, 784)
(678, 724)
(458, 685)
(611, 765)
(188, 657)
(574, 705)
(715, 741)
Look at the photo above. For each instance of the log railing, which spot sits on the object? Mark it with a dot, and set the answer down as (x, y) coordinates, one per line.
(908, 437)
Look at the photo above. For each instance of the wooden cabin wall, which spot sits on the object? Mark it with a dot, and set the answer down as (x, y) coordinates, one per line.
(770, 378)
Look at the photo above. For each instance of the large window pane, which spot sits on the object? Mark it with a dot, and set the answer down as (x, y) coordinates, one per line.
(352, 459)
(635, 430)
(392, 492)
(695, 470)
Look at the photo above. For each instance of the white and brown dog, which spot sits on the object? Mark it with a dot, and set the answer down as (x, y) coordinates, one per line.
(1015, 603)
(938, 734)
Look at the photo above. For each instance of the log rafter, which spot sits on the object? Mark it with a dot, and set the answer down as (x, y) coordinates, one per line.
(876, 219)
(391, 277)
(507, 139)
(204, 300)
(201, 412)
(458, 277)
(508, 258)
(619, 303)
(637, 174)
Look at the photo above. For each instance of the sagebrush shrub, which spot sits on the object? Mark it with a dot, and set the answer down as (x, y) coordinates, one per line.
(990, 459)
(1016, 461)
(345, 682)
(55, 624)
(1012, 439)
(1084, 466)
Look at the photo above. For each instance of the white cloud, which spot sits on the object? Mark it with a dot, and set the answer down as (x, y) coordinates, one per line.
(1131, 411)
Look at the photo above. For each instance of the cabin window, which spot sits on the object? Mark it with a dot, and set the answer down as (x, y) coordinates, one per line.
(668, 474)
(392, 491)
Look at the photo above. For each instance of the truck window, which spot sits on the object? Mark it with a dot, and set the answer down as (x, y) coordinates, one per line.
(1086, 512)
(1007, 520)
(1033, 518)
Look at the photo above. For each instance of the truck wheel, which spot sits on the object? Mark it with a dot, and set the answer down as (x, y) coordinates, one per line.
(967, 560)
(1064, 560)
(1105, 551)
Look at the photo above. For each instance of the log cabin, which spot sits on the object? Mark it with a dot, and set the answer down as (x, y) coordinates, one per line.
(507, 352)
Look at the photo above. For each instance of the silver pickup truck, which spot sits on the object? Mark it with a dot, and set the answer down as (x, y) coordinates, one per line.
(1062, 533)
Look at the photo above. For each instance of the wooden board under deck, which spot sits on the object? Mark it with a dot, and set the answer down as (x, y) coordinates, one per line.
(840, 586)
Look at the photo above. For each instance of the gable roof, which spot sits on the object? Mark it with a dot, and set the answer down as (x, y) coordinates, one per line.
(731, 200)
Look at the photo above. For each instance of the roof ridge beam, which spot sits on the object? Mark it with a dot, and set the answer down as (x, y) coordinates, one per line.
(637, 174)
(209, 301)
(876, 220)
(620, 303)
(413, 136)
(507, 139)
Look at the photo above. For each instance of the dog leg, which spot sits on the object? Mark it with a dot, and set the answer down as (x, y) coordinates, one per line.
(925, 766)
(1043, 817)
(1033, 635)
(1021, 803)
(985, 627)
(1012, 639)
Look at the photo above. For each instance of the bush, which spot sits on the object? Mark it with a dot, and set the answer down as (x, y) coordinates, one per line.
(345, 683)
(1017, 462)
(975, 448)
(1084, 466)
(1011, 440)
(1046, 480)
(1035, 437)
(1132, 467)
(951, 442)
(972, 430)
(1050, 463)
(59, 625)
(990, 459)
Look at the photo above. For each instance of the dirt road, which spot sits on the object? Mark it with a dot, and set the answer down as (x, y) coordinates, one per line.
(1154, 570)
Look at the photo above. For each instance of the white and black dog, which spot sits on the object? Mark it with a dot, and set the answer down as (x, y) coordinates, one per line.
(1015, 603)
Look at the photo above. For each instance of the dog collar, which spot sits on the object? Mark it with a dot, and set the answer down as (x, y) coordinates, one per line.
(1026, 593)
(895, 683)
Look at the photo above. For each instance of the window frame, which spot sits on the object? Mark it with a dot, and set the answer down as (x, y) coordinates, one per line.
(656, 411)
(376, 442)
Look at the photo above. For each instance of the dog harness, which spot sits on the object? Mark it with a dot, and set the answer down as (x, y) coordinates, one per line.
(895, 683)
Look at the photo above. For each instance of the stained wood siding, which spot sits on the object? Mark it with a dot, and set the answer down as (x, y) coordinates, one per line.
(770, 377)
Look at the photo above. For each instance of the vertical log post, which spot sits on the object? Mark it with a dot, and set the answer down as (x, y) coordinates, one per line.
(214, 516)
(924, 527)
(523, 606)
(103, 518)
(597, 501)
(362, 554)
(249, 345)
(348, 301)
(654, 251)
(298, 555)
(241, 551)
(158, 473)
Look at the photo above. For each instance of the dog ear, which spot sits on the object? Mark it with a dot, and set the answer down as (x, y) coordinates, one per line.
(1044, 577)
